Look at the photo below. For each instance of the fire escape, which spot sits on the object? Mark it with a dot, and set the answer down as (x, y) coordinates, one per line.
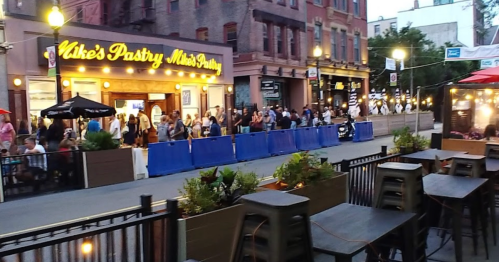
(140, 18)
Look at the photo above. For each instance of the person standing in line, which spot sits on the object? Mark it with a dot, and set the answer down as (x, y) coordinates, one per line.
(55, 134)
(294, 118)
(93, 126)
(245, 121)
(278, 117)
(163, 129)
(214, 127)
(42, 129)
(129, 137)
(222, 120)
(145, 125)
(236, 119)
(273, 119)
(327, 115)
(206, 123)
(178, 129)
(196, 126)
(115, 128)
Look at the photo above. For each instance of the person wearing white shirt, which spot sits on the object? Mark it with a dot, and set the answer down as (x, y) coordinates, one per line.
(115, 128)
(327, 115)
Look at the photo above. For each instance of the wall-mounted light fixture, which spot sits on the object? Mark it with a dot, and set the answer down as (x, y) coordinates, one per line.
(203, 76)
(229, 89)
(180, 73)
(130, 70)
(168, 72)
(65, 83)
(205, 88)
(17, 82)
(152, 71)
(106, 70)
(82, 69)
(106, 84)
(177, 86)
(192, 75)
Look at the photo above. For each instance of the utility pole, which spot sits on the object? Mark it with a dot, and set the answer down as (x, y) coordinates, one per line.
(412, 73)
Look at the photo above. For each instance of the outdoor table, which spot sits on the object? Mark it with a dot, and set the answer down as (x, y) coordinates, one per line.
(426, 157)
(345, 230)
(455, 190)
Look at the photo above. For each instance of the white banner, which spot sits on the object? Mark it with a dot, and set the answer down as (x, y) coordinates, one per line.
(390, 64)
(52, 64)
(471, 53)
(488, 63)
(312, 73)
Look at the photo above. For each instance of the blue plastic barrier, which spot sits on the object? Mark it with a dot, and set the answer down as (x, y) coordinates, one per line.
(363, 132)
(251, 146)
(281, 142)
(168, 157)
(307, 138)
(328, 136)
(212, 151)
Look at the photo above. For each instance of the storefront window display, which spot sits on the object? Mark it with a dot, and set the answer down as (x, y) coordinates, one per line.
(42, 94)
(129, 107)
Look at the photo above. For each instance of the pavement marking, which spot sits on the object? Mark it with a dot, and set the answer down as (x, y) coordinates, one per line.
(154, 204)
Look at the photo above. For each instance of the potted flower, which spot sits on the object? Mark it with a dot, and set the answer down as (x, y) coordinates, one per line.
(306, 175)
(412, 143)
(104, 163)
(211, 213)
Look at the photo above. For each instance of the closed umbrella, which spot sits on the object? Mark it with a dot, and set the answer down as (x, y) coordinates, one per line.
(353, 105)
(373, 107)
(408, 99)
(78, 107)
(398, 106)
(384, 107)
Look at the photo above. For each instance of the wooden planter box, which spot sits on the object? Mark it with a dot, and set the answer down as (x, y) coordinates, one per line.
(210, 237)
(107, 167)
(323, 195)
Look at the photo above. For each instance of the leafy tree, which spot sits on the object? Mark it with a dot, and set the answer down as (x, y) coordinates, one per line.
(429, 70)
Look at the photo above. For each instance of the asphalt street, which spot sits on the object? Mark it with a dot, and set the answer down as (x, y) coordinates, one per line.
(25, 214)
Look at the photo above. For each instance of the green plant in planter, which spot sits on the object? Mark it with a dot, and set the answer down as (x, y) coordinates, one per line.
(303, 168)
(404, 138)
(209, 191)
(99, 141)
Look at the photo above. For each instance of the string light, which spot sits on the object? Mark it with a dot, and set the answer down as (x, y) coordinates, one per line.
(106, 70)
(180, 73)
(152, 71)
(168, 72)
(130, 70)
(81, 69)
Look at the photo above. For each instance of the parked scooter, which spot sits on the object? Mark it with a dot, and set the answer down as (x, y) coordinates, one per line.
(347, 129)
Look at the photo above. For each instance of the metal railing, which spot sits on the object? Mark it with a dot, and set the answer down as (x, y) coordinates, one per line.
(24, 175)
(139, 235)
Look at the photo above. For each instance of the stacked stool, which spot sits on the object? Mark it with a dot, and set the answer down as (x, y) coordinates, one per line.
(399, 186)
(275, 228)
(474, 166)
(492, 150)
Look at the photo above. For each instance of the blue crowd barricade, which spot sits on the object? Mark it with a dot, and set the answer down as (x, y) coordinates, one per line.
(281, 142)
(251, 146)
(363, 132)
(212, 151)
(307, 138)
(166, 158)
(328, 136)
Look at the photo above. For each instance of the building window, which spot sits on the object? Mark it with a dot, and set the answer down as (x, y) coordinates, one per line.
(281, 2)
(279, 37)
(318, 34)
(343, 45)
(318, 2)
(202, 34)
(292, 42)
(231, 35)
(376, 30)
(344, 5)
(293, 3)
(202, 2)
(334, 43)
(356, 47)
(79, 14)
(442, 2)
(356, 8)
(105, 12)
(335, 4)
(174, 5)
(148, 4)
(393, 26)
(265, 36)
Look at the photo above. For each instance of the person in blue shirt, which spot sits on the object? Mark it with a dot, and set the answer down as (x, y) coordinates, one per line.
(93, 126)
(214, 127)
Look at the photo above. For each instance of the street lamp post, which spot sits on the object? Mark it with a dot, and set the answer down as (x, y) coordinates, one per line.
(399, 54)
(56, 20)
(317, 55)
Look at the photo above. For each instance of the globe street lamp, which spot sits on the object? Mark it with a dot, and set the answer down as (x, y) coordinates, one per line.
(399, 54)
(56, 21)
(317, 55)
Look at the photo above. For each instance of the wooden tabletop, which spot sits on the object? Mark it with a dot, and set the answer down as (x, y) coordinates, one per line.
(429, 155)
(448, 186)
(357, 224)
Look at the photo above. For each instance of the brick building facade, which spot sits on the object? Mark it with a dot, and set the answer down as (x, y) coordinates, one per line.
(339, 27)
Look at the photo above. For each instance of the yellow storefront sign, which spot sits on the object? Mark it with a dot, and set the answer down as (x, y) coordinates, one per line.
(120, 52)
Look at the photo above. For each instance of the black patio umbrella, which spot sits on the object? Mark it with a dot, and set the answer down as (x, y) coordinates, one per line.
(77, 107)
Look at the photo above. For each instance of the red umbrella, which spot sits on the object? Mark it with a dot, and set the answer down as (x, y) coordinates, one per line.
(480, 79)
(3, 111)
(493, 71)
